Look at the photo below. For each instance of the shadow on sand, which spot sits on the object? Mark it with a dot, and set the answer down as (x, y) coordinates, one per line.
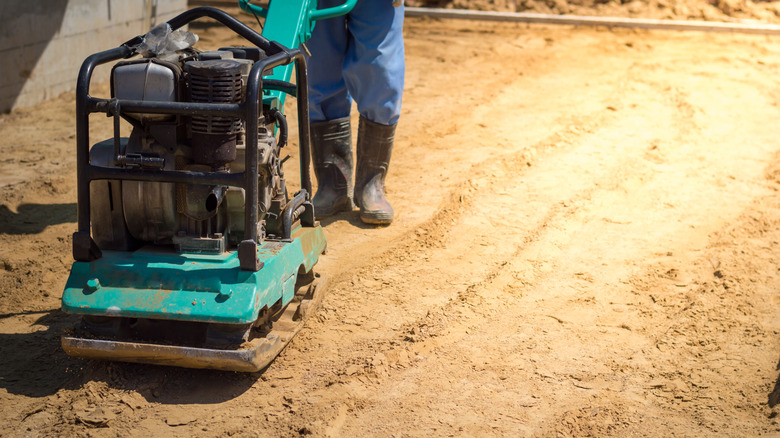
(34, 218)
(34, 365)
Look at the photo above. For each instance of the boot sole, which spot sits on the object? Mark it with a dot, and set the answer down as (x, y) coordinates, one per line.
(376, 217)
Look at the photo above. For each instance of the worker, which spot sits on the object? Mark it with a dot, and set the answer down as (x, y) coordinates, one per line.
(358, 56)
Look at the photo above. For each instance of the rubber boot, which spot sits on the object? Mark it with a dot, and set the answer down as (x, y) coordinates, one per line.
(374, 147)
(331, 150)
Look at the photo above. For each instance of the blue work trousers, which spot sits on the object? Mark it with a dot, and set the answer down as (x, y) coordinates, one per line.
(357, 56)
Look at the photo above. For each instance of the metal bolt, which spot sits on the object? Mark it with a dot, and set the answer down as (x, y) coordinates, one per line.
(93, 284)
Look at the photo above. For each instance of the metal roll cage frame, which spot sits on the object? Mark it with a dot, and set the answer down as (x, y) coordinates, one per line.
(84, 248)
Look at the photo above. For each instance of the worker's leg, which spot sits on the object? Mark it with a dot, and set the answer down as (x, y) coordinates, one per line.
(328, 95)
(374, 72)
(374, 64)
(329, 107)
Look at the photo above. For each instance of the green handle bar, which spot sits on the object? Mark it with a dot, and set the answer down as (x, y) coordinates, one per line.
(317, 14)
(321, 14)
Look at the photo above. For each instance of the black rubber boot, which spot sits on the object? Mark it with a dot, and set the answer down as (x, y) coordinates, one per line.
(374, 147)
(331, 150)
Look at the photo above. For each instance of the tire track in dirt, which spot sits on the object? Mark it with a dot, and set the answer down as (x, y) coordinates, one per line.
(442, 322)
(495, 172)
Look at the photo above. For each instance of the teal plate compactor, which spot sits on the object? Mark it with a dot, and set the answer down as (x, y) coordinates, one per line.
(190, 251)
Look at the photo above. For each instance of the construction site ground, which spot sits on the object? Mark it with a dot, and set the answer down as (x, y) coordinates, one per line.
(585, 244)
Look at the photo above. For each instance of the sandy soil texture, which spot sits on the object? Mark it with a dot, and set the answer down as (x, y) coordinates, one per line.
(586, 244)
(714, 10)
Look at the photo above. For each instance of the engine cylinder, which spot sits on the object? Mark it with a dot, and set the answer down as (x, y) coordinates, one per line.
(214, 81)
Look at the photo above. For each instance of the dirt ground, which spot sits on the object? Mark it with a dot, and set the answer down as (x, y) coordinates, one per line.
(713, 10)
(586, 244)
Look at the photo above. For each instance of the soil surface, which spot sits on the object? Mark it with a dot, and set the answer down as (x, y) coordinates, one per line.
(586, 244)
(712, 10)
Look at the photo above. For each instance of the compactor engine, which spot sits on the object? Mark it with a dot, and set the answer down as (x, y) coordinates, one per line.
(193, 218)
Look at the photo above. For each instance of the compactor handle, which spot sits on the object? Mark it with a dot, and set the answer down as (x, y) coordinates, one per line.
(315, 15)
(321, 14)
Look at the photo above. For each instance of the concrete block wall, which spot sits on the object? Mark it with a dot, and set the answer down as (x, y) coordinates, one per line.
(43, 43)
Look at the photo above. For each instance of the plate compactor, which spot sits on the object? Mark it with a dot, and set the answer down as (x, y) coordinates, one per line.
(190, 251)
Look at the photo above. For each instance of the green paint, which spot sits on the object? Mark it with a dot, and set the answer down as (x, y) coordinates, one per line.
(155, 282)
